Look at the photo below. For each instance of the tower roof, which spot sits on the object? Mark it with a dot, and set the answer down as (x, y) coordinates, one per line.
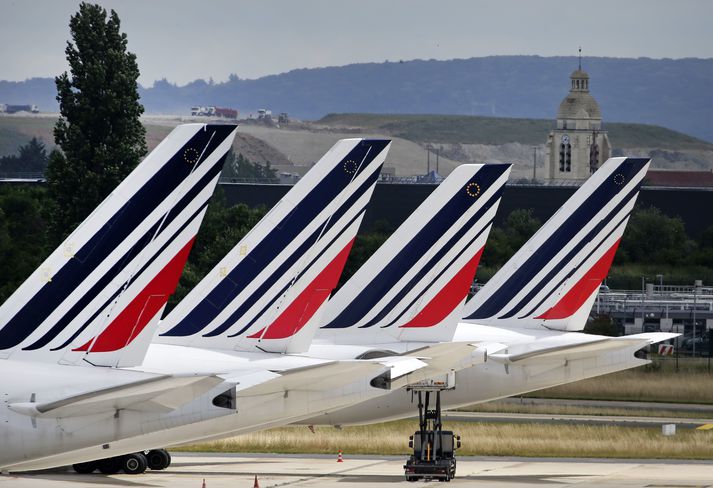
(579, 103)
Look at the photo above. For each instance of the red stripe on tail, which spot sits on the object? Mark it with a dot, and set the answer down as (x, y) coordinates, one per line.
(449, 297)
(298, 313)
(132, 320)
(583, 289)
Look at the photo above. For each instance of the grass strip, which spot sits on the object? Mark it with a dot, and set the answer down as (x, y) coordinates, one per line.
(525, 408)
(658, 382)
(479, 439)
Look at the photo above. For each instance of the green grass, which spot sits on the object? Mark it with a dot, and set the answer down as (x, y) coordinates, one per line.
(479, 439)
(464, 129)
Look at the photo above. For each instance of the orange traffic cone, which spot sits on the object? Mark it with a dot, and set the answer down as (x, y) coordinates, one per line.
(256, 484)
(340, 459)
(203, 485)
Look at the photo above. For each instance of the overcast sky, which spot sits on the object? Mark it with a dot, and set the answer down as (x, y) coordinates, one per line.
(183, 40)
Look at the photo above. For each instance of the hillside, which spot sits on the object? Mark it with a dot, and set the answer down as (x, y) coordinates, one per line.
(456, 129)
(672, 93)
(459, 139)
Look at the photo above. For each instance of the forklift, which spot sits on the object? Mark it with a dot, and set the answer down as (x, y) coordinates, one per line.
(434, 449)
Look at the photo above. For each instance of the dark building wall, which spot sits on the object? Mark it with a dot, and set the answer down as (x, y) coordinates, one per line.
(392, 203)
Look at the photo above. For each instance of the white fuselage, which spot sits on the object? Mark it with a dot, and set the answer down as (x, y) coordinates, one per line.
(37, 443)
(488, 381)
(52, 442)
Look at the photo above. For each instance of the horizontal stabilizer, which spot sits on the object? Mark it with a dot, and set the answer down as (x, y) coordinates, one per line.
(157, 394)
(596, 345)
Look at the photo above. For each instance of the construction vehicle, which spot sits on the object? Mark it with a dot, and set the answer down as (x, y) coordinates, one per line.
(13, 109)
(213, 111)
(434, 449)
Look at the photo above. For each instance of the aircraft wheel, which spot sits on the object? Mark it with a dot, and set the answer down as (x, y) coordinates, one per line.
(110, 465)
(158, 459)
(134, 463)
(85, 468)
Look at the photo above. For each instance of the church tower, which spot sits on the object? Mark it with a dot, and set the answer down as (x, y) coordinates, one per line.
(579, 145)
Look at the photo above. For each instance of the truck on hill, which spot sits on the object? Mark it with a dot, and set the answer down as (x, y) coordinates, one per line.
(13, 109)
(213, 111)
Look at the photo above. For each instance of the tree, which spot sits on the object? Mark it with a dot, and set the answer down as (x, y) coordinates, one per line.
(99, 130)
(507, 238)
(364, 246)
(221, 230)
(22, 235)
(654, 238)
(241, 167)
(602, 325)
(31, 158)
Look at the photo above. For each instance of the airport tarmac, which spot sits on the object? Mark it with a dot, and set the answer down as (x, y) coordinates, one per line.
(239, 470)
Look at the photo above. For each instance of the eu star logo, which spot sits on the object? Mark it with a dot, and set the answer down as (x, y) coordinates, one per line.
(473, 189)
(190, 155)
(350, 166)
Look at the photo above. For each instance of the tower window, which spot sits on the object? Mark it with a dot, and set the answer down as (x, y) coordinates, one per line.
(568, 158)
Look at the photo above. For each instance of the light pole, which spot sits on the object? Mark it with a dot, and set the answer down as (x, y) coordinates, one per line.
(695, 304)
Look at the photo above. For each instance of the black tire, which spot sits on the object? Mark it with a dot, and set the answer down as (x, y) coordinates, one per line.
(158, 459)
(85, 468)
(109, 465)
(134, 463)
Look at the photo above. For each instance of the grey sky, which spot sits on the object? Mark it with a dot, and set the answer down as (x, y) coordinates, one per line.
(186, 39)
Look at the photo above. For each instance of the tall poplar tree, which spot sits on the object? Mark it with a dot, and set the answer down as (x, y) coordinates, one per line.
(99, 131)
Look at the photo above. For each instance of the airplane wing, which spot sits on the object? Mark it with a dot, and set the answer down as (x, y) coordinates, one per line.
(325, 376)
(436, 359)
(158, 394)
(582, 349)
(388, 373)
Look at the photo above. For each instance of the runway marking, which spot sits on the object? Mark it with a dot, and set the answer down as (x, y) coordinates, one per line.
(705, 427)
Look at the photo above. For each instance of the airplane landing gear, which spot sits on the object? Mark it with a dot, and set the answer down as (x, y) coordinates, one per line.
(135, 463)
(158, 459)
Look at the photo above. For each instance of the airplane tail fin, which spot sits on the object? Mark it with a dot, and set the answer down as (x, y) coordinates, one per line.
(553, 280)
(268, 292)
(413, 287)
(97, 298)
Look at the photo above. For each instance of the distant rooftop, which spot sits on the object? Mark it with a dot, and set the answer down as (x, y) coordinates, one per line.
(679, 178)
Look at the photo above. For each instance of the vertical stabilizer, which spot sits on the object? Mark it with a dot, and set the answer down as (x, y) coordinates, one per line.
(268, 292)
(552, 281)
(97, 298)
(414, 286)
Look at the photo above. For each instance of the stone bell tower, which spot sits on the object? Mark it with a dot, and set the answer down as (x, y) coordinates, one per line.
(579, 145)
